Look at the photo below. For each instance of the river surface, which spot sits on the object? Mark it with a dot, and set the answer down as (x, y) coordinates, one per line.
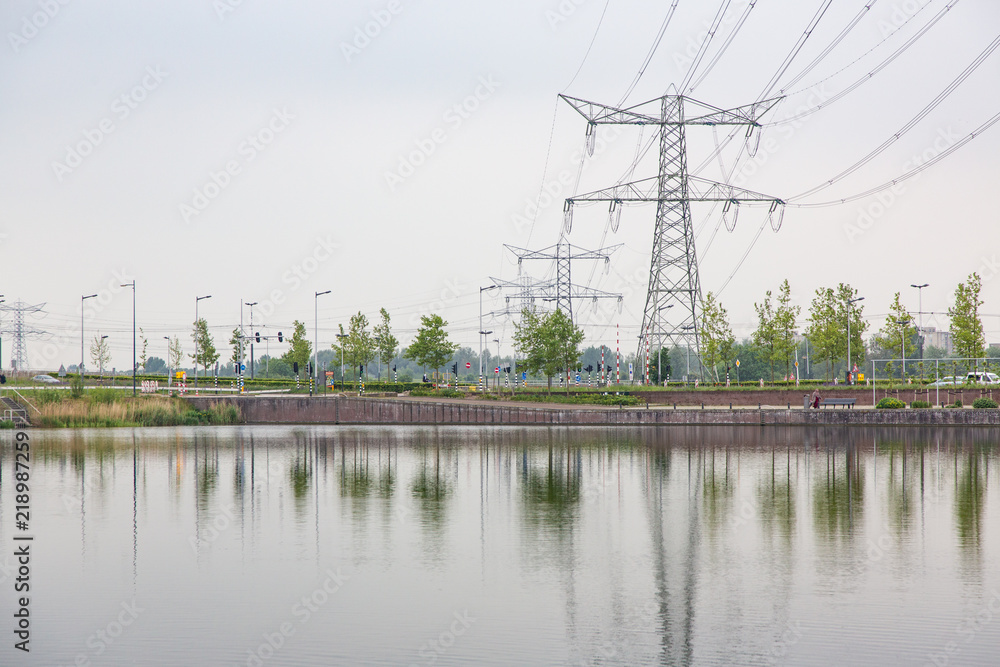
(507, 546)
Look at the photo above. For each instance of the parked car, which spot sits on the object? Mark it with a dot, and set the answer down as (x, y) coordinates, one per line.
(47, 379)
(977, 377)
(948, 381)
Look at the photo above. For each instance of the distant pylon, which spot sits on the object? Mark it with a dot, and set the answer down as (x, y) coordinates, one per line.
(673, 274)
(19, 349)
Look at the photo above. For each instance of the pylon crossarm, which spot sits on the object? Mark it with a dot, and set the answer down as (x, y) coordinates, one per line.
(644, 190)
(647, 190)
(710, 191)
(601, 114)
(745, 115)
(575, 252)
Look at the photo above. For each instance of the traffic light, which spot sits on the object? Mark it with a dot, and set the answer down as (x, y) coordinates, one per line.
(361, 369)
(454, 368)
(257, 336)
(589, 368)
(3, 379)
(393, 369)
(295, 367)
(309, 369)
(506, 369)
(610, 368)
(280, 338)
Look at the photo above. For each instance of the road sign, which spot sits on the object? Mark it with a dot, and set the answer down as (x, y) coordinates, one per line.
(737, 363)
(468, 364)
(243, 367)
(497, 370)
(524, 376)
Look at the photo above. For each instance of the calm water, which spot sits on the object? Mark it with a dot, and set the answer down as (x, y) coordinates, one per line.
(454, 546)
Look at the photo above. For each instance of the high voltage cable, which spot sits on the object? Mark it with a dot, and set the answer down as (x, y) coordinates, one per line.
(910, 174)
(795, 50)
(703, 49)
(942, 96)
(867, 77)
(832, 45)
(652, 51)
(725, 46)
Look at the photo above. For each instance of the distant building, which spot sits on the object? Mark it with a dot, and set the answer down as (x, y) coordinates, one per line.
(940, 339)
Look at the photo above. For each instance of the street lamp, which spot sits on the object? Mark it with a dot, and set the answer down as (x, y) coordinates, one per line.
(251, 335)
(902, 345)
(688, 327)
(659, 351)
(316, 334)
(132, 285)
(481, 333)
(920, 315)
(167, 364)
(849, 368)
(341, 337)
(196, 300)
(82, 299)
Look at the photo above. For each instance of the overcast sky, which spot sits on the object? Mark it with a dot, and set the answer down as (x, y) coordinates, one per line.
(264, 151)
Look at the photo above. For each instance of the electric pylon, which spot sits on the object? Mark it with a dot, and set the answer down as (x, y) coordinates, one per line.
(19, 351)
(673, 273)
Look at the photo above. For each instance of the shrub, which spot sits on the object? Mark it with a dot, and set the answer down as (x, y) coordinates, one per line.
(984, 403)
(917, 405)
(76, 386)
(439, 393)
(104, 395)
(889, 403)
(957, 403)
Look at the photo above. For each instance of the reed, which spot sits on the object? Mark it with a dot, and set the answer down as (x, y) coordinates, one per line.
(106, 411)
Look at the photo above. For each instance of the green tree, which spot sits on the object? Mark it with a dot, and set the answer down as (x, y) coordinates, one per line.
(765, 336)
(431, 348)
(548, 343)
(785, 322)
(143, 356)
(385, 343)
(966, 324)
(827, 329)
(300, 349)
(858, 325)
(358, 344)
(206, 354)
(100, 352)
(175, 354)
(239, 354)
(897, 333)
(717, 338)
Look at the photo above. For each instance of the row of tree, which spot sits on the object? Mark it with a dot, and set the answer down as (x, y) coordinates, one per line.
(832, 314)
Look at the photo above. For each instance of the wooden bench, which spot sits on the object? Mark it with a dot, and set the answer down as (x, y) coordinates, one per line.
(846, 402)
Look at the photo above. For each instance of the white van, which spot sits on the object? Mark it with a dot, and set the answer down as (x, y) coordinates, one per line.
(982, 378)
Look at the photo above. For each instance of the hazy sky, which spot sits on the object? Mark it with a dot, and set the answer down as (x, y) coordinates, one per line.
(263, 151)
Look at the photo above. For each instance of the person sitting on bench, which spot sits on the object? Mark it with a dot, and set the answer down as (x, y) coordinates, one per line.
(816, 398)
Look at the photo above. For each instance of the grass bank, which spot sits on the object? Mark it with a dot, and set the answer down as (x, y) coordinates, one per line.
(111, 408)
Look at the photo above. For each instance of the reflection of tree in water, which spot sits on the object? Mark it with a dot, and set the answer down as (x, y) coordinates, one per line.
(207, 478)
(432, 490)
(970, 494)
(717, 489)
(551, 494)
(300, 476)
(776, 497)
(900, 488)
(838, 494)
(358, 480)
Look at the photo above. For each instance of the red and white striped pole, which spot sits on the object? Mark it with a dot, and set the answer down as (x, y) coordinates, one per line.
(618, 354)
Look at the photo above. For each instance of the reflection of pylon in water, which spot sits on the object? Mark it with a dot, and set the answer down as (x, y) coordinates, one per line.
(20, 333)
(674, 285)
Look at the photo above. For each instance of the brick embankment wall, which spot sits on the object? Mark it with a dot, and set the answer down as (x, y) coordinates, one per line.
(344, 410)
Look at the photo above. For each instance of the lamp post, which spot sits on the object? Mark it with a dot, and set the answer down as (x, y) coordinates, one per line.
(316, 335)
(688, 327)
(849, 302)
(341, 338)
(920, 316)
(481, 332)
(82, 299)
(659, 351)
(132, 285)
(196, 300)
(902, 346)
(167, 338)
(251, 336)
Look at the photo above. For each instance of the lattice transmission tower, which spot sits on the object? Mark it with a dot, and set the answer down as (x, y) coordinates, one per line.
(20, 332)
(671, 313)
(560, 289)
